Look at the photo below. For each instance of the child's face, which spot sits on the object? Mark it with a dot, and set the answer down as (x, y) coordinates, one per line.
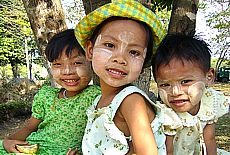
(181, 86)
(119, 52)
(73, 73)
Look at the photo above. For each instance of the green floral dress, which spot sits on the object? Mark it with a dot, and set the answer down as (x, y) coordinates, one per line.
(64, 120)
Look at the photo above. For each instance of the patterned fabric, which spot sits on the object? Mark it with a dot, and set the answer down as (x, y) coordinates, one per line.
(64, 120)
(103, 137)
(121, 8)
(190, 139)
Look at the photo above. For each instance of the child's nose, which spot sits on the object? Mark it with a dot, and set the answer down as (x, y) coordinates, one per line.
(177, 90)
(68, 70)
(119, 58)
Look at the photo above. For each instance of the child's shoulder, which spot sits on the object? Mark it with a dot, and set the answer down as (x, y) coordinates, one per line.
(213, 105)
(130, 89)
(217, 96)
(92, 89)
(47, 90)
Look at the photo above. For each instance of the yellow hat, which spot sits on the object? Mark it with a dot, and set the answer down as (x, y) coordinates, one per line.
(120, 8)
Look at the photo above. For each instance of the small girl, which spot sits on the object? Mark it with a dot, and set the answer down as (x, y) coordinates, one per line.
(181, 68)
(59, 114)
(119, 39)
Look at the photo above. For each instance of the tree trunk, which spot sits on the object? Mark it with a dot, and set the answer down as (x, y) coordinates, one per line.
(183, 17)
(143, 81)
(46, 19)
(15, 70)
(90, 5)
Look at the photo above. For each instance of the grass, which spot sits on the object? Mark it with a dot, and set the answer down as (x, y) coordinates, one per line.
(223, 132)
(223, 125)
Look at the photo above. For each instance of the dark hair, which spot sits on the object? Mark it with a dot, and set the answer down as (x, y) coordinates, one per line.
(60, 41)
(183, 48)
(149, 34)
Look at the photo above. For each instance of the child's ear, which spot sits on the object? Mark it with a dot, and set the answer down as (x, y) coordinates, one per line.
(89, 50)
(210, 76)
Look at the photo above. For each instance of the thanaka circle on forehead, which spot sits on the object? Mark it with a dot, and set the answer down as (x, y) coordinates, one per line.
(126, 37)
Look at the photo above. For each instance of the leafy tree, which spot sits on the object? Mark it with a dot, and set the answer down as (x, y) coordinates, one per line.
(14, 28)
(219, 20)
(46, 18)
(219, 23)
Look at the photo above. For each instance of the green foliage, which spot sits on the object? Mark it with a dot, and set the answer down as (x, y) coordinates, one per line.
(158, 5)
(219, 20)
(214, 61)
(74, 12)
(164, 16)
(14, 28)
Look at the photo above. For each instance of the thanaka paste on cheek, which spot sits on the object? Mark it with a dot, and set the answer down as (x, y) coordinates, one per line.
(195, 92)
(84, 71)
(97, 40)
(56, 73)
(164, 96)
(116, 60)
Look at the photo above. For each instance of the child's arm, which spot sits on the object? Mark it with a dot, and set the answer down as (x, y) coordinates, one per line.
(20, 136)
(72, 152)
(137, 114)
(209, 138)
(169, 144)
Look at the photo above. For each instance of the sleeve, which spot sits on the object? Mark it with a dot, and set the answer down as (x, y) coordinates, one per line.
(172, 122)
(222, 106)
(38, 109)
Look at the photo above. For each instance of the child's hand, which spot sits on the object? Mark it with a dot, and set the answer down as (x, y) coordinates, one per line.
(72, 152)
(9, 145)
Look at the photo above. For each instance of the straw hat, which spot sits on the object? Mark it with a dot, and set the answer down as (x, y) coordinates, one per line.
(121, 8)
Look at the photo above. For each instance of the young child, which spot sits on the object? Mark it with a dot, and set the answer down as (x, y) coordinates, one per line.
(59, 114)
(119, 38)
(181, 67)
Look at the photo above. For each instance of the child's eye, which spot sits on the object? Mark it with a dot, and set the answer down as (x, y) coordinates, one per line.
(56, 64)
(164, 85)
(78, 62)
(185, 81)
(134, 53)
(109, 45)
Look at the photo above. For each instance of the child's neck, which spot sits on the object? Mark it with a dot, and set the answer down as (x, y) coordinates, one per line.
(107, 94)
(195, 109)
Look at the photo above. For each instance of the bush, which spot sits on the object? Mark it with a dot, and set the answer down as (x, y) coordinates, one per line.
(19, 90)
(14, 109)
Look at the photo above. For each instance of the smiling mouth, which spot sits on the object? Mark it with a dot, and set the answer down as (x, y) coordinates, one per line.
(178, 103)
(116, 72)
(69, 81)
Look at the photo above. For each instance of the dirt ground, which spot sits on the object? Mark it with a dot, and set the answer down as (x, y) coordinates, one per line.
(222, 129)
(10, 126)
(222, 133)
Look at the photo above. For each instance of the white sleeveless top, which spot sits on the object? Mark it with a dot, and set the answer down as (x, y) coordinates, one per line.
(103, 137)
